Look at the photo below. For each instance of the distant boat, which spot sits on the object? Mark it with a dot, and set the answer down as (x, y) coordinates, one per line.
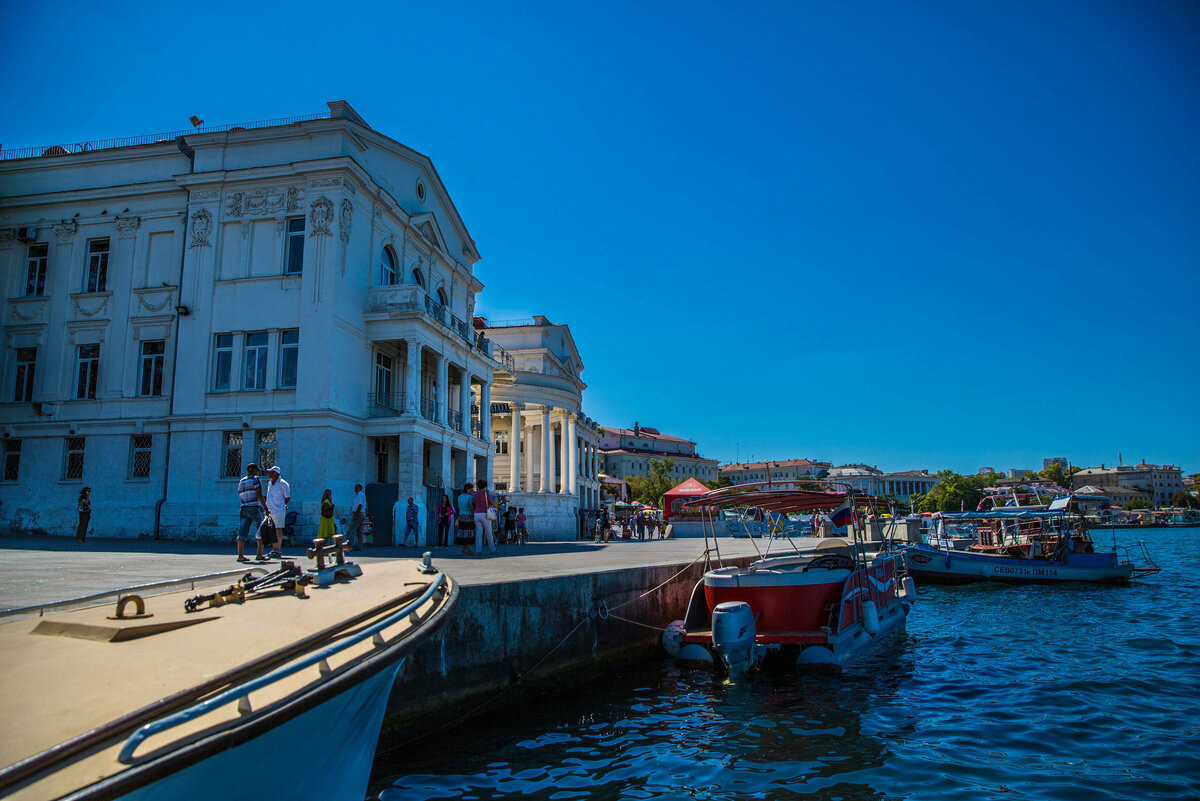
(228, 694)
(816, 608)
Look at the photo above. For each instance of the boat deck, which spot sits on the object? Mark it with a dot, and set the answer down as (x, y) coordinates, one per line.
(71, 672)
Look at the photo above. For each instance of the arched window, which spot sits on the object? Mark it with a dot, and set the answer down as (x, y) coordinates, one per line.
(418, 278)
(387, 267)
(442, 299)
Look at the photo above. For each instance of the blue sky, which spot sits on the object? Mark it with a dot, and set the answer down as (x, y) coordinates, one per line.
(928, 234)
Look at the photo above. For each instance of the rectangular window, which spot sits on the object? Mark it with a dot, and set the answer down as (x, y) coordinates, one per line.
(268, 450)
(255, 374)
(140, 446)
(73, 463)
(89, 366)
(231, 455)
(26, 366)
(97, 275)
(294, 259)
(152, 368)
(383, 379)
(12, 460)
(289, 351)
(222, 361)
(35, 281)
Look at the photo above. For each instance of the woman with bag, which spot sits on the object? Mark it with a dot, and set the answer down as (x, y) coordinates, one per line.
(445, 515)
(485, 512)
(326, 530)
(85, 513)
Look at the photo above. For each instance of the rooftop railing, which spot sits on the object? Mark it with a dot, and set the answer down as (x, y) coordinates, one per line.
(67, 148)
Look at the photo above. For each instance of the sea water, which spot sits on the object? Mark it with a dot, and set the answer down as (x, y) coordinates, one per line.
(1014, 692)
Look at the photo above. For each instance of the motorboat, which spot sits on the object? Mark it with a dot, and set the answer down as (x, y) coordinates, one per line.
(273, 686)
(1023, 546)
(816, 608)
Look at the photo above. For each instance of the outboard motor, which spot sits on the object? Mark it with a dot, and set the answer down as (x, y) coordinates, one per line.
(733, 635)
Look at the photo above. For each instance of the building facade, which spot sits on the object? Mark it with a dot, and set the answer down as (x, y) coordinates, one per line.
(1160, 481)
(547, 458)
(628, 452)
(292, 292)
(782, 470)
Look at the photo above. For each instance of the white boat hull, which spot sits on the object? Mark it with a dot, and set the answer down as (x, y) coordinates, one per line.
(959, 567)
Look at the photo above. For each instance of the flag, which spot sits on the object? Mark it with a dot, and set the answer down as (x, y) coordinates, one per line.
(842, 515)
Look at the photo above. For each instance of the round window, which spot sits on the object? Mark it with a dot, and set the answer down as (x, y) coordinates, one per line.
(421, 191)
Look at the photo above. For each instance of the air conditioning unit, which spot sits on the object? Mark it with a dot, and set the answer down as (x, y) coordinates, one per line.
(27, 234)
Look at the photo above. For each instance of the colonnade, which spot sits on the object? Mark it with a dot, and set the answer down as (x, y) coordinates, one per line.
(534, 430)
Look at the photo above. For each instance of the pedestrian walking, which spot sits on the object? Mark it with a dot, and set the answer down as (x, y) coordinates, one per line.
(358, 514)
(412, 524)
(253, 505)
(445, 517)
(483, 504)
(464, 531)
(522, 531)
(85, 513)
(510, 525)
(326, 530)
(279, 495)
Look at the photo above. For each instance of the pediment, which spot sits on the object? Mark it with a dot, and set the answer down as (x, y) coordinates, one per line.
(426, 224)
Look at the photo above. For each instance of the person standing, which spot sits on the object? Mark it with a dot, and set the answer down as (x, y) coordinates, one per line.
(465, 530)
(411, 524)
(445, 516)
(510, 525)
(326, 530)
(253, 505)
(482, 502)
(522, 531)
(358, 514)
(279, 495)
(85, 513)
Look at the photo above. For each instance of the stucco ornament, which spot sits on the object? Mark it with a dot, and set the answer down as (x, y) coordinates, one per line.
(202, 225)
(345, 221)
(127, 226)
(321, 217)
(65, 231)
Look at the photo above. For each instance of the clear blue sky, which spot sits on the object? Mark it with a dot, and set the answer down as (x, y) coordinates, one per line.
(928, 234)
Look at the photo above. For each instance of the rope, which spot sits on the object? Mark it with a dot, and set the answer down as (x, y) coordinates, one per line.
(703, 554)
(636, 623)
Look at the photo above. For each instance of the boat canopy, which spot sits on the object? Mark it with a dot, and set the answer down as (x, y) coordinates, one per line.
(784, 497)
(1004, 513)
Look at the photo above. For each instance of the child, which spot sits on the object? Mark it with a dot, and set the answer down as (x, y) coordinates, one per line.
(522, 532)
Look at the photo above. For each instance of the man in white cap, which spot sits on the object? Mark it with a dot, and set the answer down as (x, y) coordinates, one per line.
(279, 493)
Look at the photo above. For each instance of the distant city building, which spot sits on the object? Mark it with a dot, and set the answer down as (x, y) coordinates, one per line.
(782, 470)
(627, 452)
(873, 481)
(1061, 461)
(551, 465)
(1120, 495)
(983, 471)
(1161, 481)
(1017, 472)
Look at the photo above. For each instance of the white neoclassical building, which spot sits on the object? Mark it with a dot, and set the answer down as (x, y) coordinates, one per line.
(547, 449)
(626, 452)
(178, 305)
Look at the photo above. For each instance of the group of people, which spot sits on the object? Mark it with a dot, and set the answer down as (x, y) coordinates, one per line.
(264, 512)
(641, 526)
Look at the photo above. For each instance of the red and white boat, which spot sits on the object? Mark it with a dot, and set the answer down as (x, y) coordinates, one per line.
(817, 608)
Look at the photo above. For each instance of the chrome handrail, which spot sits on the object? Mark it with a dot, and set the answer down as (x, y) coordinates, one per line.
(139, 588)
(242, 691)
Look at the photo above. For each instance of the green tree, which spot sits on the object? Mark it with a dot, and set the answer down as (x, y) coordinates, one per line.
(649, 489)
(721, 482)
(1185, 500)
(1138, 503)
(955, 492)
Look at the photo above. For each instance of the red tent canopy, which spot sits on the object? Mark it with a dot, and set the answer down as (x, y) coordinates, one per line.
(674, 498)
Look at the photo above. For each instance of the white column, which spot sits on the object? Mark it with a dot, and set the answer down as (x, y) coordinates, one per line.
(546, 449)
(485, 414)
(530, 455)
(563, 457)
(464, 401)
(514, 449)
(552, 465)
(442, 395)
(412, 377)
(571, 484)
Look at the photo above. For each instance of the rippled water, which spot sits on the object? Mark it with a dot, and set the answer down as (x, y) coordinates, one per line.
(1067, 692)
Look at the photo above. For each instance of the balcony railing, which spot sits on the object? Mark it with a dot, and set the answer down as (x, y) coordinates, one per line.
(456, 419)
(398, 297)
(476, 428)
(429, 407)
(385, 404)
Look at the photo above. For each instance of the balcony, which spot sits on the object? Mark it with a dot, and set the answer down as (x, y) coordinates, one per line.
(476, 428)
(385, 404)
(429, 407)
(456, 419)
(399, 297)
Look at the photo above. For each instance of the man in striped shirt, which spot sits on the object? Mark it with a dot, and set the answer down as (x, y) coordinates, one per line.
(253, 504)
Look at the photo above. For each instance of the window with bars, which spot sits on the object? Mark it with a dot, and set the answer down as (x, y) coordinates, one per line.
(231, 454)
(152, 368)
(73, 461)
(268, 449)
(89, 367)
(97, 274)
(12, 460)
(35, 281)
(26, 366)
(140, 448)
(289, 352)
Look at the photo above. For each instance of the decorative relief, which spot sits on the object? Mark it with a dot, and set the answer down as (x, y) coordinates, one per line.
(202, 224)
(65, 231)
(318, 183)
(146, 301)
(127, 226)
(345, 221)
(246, 226)
(205, 194)
(321, 217)
(28, 309)
(93, 309)
(471, 310)
(263, 202)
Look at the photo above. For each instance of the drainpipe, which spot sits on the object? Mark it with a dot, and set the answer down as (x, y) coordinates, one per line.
(191, 154)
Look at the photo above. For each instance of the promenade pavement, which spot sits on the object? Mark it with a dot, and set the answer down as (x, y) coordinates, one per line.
(44, 569)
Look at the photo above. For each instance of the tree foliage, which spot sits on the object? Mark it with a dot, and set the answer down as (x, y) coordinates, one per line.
(649, 489)
(955, 492)
(1185, 500)
(1138, 503)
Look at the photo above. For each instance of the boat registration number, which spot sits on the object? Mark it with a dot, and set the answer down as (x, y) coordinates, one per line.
(1014, 570)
